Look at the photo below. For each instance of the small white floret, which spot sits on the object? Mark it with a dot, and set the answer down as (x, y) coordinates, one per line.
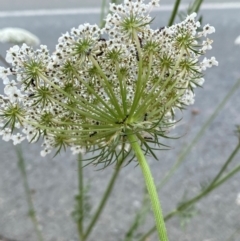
(4, 73)
(46, 151)
(77, 150)
(17, 139)
(6, 134)
(207, 29)
(207, 44)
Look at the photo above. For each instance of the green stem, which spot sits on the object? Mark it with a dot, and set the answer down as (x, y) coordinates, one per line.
(186, 150)
(230, 158)
(174, 12)
(156, 207)
(197, 5)
(81, 196)
(106, 85)
(227, 176)
(104, 199)
(213, 185)
(21, 165)
(102, 13)
(139, 85)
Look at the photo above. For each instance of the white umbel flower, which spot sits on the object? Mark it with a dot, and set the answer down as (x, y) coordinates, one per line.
(18, 36)
(93, 93)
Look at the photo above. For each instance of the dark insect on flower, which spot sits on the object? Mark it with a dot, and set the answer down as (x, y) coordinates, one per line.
(166, 75)
(145, 116)
(101, 52)
(123, 121)
(102, 39)
(93, 134)
(33, 82)
(161, 29)
(13, 71)
(148, 138)
(88, 52)
(140, 42)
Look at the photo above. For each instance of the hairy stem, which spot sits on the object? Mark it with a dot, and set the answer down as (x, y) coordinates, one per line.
(156, 207)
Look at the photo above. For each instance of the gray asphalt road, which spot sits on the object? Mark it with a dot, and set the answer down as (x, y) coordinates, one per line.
(54, 181)
(45, 4)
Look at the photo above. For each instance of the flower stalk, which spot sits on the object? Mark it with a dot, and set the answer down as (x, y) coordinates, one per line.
(31, 212)
(153, 195)
(174, 12)
(81, 197)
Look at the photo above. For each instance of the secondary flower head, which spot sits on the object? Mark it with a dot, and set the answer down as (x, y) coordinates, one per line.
(93, 92)
(238, 199)
(18, 36)
(237, 40)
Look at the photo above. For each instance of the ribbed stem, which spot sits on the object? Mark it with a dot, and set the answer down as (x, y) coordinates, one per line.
(81, 197)
(156, 207)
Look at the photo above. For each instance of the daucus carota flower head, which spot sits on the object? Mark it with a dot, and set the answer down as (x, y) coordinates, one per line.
(93, 91)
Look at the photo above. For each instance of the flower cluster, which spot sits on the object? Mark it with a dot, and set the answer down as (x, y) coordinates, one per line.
(93, 90)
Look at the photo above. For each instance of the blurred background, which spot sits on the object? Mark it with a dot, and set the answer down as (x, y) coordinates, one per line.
(53, 181)
(54, 4)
